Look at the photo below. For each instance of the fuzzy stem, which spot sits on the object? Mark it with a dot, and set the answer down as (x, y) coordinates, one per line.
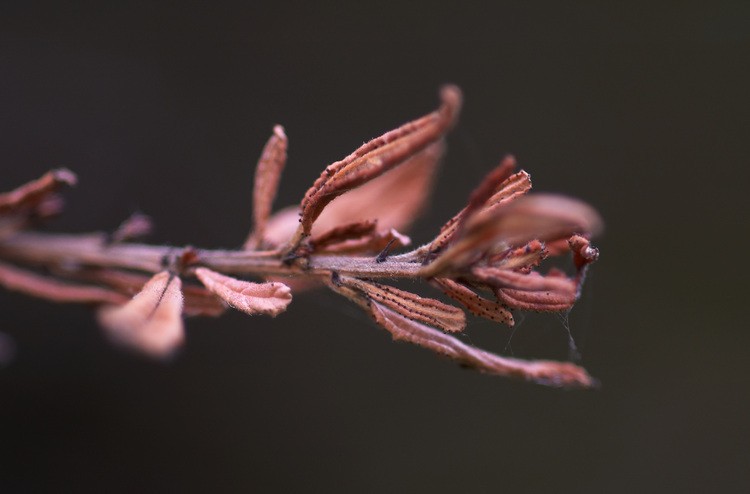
(93, 250)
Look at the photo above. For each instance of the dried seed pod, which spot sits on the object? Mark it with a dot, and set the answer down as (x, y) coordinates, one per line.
(152, 321)
(270, 298)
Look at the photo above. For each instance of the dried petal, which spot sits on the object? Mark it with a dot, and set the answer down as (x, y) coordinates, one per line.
(36, 285)
(427, 310)
(252, 298)
(476, 304)
(267, 176)
(151, 322)
(376, 157)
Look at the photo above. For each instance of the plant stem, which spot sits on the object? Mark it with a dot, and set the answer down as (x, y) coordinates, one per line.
(93, 250)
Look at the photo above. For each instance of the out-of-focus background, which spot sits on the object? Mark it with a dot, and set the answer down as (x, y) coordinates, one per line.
(163, 107)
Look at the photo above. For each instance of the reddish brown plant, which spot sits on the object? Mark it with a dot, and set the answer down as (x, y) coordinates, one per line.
(344, 235)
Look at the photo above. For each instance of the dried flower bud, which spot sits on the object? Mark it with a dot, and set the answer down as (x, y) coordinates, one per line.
(252, 298)
(152, 321)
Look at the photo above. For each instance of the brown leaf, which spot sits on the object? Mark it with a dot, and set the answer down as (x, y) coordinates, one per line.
(373, 243)
(152, 321)
(530, 291)
(36, 285)
(376, 157)
(252, 298)
(474, 303)
(559, 374)
(537, 217)
(31, 194)
(346, 231)
(267, 176)
(426, 310)
(508, 190)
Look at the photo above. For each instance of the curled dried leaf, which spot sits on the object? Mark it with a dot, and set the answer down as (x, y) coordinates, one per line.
(381, 241)
(342, 233)
(267, 177)
(395, 198)
(376, 157)
(560, 374)
(152, 321)
(531, 291)
(508, 190)
(426, 310)
(270, 298)
(474, 303)
(538, 217)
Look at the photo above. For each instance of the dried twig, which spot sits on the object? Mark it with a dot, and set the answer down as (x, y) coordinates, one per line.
(486, 258)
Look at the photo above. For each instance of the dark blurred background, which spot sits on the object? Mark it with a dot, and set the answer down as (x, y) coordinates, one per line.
(163, 107)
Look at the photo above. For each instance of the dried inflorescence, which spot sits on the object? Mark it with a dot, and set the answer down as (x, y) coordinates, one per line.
(344, 235)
